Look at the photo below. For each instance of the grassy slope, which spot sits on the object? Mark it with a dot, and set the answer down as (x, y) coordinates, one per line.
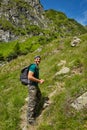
(59, 116)
(63, 25)
(22, 46)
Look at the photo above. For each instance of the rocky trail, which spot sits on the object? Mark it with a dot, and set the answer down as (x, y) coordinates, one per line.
(23, 123)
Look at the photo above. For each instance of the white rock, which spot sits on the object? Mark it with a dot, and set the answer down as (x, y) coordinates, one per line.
(80, 102)
(64, 70)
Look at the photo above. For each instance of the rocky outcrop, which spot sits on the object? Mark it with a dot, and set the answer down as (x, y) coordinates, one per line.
(6, 36)
(80, 102)
(75, 41)
(18, 15)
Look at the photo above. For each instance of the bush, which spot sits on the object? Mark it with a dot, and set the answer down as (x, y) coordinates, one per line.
(1, 57)
(11, 56)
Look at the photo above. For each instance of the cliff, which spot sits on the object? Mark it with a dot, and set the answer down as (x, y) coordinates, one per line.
(19, 15)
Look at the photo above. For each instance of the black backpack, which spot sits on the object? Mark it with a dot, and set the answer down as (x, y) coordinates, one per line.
(24, 75)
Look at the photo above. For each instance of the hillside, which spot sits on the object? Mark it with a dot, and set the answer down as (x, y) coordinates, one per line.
(62, 88)
(63, 25)
(28, 18)
(26, 30)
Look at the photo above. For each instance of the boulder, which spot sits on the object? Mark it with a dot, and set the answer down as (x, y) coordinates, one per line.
(75, 41)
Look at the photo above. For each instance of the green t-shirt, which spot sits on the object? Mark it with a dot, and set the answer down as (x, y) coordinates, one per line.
(34, 68)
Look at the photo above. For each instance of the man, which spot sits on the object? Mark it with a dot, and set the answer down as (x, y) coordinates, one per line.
(34, 91)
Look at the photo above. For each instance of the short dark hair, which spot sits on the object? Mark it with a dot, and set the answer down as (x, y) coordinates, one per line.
(37, 57)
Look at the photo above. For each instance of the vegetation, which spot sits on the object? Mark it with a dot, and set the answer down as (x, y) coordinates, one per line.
(53, 44)
(20, 25)
(59, 115)
(63, 25)
(23, 46)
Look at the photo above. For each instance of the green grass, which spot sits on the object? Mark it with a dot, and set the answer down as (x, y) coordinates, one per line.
(22, 46)
(60, 115)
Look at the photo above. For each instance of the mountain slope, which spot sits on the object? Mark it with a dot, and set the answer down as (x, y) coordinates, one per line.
(63, 25)
(56, 55)
(28, 18)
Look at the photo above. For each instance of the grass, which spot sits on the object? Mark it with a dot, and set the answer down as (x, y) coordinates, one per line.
(60, 115)
(22, 46)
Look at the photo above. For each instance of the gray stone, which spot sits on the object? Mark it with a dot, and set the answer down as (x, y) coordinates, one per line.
(64, 70)
(80, 102)
(75, 41)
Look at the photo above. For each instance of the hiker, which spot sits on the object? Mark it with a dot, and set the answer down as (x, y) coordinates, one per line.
(34, 91)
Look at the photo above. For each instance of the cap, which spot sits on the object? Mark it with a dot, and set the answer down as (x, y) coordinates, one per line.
(37, 57)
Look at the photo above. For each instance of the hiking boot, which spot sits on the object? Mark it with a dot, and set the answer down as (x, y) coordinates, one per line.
(46, 104)
(32, 122)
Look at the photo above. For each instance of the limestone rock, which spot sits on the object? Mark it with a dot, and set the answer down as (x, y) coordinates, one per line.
(80, 102)
(64, 70)
(75, 41)
(20, 15)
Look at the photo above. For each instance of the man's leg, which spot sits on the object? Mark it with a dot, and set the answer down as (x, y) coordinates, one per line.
(38, 102)
(31, 104)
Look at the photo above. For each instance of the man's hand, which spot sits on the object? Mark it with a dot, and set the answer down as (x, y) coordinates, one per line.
(41, 81)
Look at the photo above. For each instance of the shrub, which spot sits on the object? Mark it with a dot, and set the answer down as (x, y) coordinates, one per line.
(1, 57)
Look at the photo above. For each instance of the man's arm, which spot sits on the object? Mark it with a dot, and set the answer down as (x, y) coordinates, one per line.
(32, 78)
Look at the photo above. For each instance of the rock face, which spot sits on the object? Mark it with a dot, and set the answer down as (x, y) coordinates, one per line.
(27, 17)
(16, 15)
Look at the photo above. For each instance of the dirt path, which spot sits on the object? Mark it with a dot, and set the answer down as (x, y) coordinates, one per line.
(23, 124)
